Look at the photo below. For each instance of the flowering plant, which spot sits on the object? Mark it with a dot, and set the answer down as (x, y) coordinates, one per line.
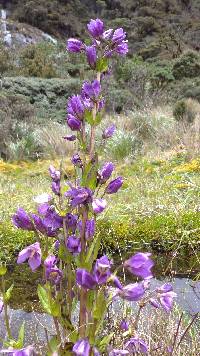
(76, 280)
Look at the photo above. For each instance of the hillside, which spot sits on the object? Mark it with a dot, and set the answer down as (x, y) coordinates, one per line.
(154, 27)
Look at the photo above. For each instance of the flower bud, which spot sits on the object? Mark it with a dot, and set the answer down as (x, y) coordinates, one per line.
(73, 123)
(98, 205)
(114, 185)
(95, 28)
(109, 132)
(74, 45)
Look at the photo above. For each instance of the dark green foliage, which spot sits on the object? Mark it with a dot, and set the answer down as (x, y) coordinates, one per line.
(48, 96)
(37, 61)
(186, 110)
(17, 123)
(12, 241)
(161, 232)
(179, 110)
(5, 59)
(187, 66)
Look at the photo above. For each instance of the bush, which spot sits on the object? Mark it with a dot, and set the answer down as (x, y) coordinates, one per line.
(187, 66)
(161, 232)
(186, 110)
(5, 59)
(17, 122)
(123, 145)
(36, 61)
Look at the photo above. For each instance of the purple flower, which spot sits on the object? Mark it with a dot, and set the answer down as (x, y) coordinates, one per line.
(122, 48)
(74, 45)
(55, 186)
(124, 325)
(140, 265)
(73, 243)
(75, 106)
(70, 138)
(76, 160)
(55, 174)
(22, 220)
(92, 89)
(57, 245)
(73, 123)
(116, 282)
(71, 222)
(31, 253)
(95, 28)
(107, 34)
(52, 272)
(89, 228)
(82, 347)
(167, 287)
(43, 208)
(91, 55)
(166, 300)
(118, 36)
(102, 269)
(85, 279)
(42, 227)
(109, 132)
(27, 351)
(52, 219)
(154, 303)
(136, 345)
(79, 196)
(106, 172)
(132, 292)
(98, 205)
(114, 185)
(1, 306)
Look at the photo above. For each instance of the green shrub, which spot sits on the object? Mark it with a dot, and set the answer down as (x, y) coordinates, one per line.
(12, 241)
(160, 232)
(123, 145)
(36, 60)
(186, 110)
(187, 66)
(5, 59)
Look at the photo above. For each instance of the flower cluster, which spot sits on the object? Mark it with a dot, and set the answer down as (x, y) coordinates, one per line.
(67, 246)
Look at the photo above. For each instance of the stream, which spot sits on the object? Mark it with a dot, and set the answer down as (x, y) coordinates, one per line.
(24, 303)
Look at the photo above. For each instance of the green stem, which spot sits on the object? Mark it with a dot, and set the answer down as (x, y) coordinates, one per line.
(6, 317)
(83, 293)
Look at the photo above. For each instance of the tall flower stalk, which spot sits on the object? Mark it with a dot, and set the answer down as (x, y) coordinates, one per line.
(66, 246)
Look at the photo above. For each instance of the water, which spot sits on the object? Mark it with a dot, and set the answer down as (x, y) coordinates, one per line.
(7, 37)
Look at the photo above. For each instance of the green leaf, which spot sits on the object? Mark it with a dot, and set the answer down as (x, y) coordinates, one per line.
(98, 119)
(89, 117)
(20, 342)
(102, 65)
(90, 299)
(54, 346)
(93, 250)
(49, 305)
(55, 308)
(7, 294)
(44, 299)
(100, 306)
(102, 345)
(3, 269)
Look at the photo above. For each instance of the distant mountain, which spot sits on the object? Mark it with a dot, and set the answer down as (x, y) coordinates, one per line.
(162, 28)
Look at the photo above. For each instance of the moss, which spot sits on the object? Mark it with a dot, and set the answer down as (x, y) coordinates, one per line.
(12, 241)
(159, 232)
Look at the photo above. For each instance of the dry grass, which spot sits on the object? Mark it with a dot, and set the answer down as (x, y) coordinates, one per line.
(51, 139)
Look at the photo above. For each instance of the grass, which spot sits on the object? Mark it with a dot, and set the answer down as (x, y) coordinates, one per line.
(158, 206)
